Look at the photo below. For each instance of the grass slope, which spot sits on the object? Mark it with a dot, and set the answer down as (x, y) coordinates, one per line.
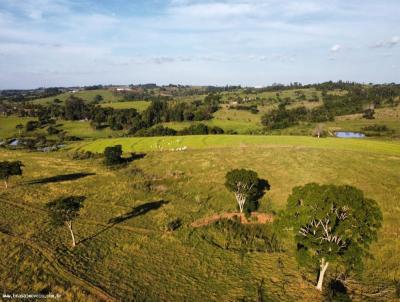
(81, 129)
(138, 105)
(138, 260)
(87, 95)
(230, 141)
(7, 125)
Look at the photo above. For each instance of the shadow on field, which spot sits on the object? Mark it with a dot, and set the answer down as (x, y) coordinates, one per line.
(60, 178)
(136, 211)
(134, 156)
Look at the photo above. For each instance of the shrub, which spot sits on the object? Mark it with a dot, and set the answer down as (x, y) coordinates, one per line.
(31, 125)
(156, 131)
(113, 155)
(369, 114)
(376, 128)
(52, 130)
(174, 225)
(245, 237)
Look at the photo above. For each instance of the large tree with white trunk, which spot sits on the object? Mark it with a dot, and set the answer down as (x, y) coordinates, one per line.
(8, 169)
(333, 226)
(246, 186)
(64, 211)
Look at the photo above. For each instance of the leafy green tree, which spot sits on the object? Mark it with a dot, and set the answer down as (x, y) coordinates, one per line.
(332, 225)
(8, 169)
(245, 184)
(97, 98)
(113, 155)
(31, 125)
(64, 211)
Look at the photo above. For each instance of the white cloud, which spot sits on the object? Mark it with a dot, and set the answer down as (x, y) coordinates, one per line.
(241, 40)
(393, 41)
(336, 48)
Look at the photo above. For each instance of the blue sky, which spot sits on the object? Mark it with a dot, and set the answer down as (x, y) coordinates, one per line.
(203, 42)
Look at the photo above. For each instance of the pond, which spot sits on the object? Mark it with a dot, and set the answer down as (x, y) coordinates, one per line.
(348, 134)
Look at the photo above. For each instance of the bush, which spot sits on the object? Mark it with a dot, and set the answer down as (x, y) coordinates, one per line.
(369, 114)
(52, 130)
(156, 131)
(201, 129)
(31, 125)
(113, 155)
(196, 129)
(215, 130)
(376, 128)
(174, 225)
(245, 237)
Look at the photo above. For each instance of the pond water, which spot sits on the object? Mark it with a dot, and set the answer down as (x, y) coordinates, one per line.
(348, 134)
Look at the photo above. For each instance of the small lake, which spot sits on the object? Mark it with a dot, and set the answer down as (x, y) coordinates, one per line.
(348, 134)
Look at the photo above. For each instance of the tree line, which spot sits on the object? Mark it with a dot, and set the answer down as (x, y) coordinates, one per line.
(159, 111)
(358, 99)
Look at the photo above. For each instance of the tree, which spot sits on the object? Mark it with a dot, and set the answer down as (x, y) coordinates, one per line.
(19, 127)
(246, 185)
(31, 125)
(318, 130)
(52, 130)
(113, 155)
(8, 169)
(97, 98)
(64, 211)
(369, 114)
(332, 224)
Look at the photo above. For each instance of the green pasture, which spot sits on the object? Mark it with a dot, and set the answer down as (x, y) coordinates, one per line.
(87, 95)
(138, 105)
(139, 259)
(149, 144)
(80, 129)
(8, 124)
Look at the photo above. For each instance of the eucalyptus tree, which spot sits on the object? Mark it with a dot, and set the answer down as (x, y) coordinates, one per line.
(63, 211)
(8, 169)
(332, 225)
(246, 186)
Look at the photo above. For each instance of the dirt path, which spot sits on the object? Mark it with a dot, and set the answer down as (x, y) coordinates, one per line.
(256, 217)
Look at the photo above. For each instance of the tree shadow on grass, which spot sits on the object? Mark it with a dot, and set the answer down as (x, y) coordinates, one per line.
(60, 178)
(136, 211)
(135, 156)
(254, 203)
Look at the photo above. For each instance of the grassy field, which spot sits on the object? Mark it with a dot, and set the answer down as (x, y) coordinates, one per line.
(87, 95)
(138, 105)
(149, 144)
(7, 125)
(138, 259)
(81, 129)
(355, 122)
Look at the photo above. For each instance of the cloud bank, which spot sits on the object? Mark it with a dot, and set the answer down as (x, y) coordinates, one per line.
(248, 42)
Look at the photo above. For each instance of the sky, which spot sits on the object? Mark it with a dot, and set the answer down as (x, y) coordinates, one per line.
(46, 43)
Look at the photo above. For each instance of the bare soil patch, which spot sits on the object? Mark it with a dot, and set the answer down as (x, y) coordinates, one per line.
(255, 217)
